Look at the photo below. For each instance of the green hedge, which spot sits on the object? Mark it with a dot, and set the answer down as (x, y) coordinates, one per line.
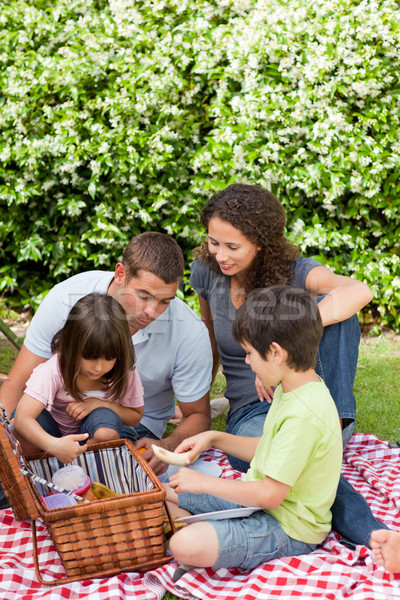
(122, 116)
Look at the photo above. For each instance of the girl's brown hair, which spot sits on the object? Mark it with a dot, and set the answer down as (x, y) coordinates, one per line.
(96, 327)
(258, 215)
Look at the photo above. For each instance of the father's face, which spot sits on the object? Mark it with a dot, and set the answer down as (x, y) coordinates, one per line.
(144, 297)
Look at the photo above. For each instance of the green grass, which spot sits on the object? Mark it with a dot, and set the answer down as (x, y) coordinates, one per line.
(376, 388)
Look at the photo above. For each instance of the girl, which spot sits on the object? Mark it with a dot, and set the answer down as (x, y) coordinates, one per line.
(246, 250)
(88, 389)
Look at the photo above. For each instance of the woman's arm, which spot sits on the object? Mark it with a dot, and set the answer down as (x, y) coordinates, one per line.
(207, 319)
(344, 296)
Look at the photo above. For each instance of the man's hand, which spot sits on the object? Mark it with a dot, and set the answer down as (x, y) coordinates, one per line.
(155, 463)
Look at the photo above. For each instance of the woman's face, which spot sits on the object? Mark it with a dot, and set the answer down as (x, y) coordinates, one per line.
(233, 251)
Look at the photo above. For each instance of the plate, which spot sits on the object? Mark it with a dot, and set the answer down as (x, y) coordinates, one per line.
(203, 466)
(230, 513)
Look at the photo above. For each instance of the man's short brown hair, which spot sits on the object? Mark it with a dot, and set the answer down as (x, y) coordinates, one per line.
(155, 252)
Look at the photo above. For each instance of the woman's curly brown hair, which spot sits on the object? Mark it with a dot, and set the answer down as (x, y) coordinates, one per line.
(261, 219)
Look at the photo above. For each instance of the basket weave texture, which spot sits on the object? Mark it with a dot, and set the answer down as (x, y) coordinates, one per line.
(98, 538)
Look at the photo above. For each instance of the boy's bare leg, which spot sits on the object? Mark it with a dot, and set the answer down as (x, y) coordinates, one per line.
(172, 503)
(385, 544)
(196, 545)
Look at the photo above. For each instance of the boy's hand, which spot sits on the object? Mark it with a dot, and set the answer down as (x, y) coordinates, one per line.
(80, 410)
(263, 392)
(196, 444)
(187, 480)
(67, 448)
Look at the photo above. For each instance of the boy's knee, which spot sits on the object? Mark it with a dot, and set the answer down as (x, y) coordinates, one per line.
(184, 545)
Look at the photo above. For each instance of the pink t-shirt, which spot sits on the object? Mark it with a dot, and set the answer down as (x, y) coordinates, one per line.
(46, 385)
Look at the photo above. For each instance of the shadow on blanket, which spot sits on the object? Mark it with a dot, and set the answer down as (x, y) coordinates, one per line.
(332, 572)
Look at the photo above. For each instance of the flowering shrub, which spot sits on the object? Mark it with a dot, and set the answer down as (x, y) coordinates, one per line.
(121, 116)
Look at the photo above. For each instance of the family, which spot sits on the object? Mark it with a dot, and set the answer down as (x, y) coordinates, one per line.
(284, 329)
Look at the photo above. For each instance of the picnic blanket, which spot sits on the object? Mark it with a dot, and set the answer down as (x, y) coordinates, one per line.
(333, 572)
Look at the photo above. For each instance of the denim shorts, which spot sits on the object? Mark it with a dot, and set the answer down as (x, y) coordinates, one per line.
(245, 542)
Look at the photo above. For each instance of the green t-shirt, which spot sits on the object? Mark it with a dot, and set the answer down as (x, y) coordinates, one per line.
(301, 446)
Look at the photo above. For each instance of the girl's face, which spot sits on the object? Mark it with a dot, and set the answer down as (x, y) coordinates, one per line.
(96, 368)
(233, 251)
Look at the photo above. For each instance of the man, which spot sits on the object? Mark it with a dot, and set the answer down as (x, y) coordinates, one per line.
(172, 346)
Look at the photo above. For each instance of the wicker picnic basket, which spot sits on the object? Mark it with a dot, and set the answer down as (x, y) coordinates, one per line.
(99, 538)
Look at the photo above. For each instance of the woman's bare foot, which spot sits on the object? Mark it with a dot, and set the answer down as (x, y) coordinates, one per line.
(385, 544)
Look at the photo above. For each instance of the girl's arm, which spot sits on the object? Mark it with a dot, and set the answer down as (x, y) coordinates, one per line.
(207, 319)
(268, 493)
(344, 296)
(128, 415)
(26, 426)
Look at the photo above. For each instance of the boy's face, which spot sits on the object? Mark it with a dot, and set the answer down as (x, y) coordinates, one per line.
(266, 368)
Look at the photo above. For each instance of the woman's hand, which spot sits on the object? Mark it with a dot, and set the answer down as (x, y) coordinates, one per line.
(263, 392)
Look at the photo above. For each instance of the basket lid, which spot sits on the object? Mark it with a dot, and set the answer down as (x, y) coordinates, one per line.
(15, 486)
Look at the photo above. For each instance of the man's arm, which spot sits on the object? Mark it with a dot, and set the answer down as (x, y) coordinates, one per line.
(11, 390)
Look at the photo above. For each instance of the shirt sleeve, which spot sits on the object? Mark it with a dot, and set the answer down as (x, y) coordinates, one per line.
(44, 382)
(191, 378)
(47, 321)
(134, 395)
(301, 269)
(200, 278)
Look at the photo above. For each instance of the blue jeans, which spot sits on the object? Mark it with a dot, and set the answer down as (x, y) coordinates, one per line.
(245, 542)
(137, 433)
(336, 364)
(100, 417)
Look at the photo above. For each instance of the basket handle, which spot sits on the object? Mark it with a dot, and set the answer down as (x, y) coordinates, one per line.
(17, 450)
(170, 519)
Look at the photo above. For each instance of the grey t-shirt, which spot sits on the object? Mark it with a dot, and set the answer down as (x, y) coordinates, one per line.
(214, 287)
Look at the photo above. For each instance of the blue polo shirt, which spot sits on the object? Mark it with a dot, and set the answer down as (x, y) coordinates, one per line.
(173, 354)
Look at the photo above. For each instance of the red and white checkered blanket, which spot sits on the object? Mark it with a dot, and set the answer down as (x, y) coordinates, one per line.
(333, 572)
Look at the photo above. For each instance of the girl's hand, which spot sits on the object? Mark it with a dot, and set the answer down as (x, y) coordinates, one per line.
(187, 480)
(263, 392)
(196, 444)
(80, 410)
(67, 448)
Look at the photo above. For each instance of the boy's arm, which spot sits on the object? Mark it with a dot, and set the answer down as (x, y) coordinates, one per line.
(268, 493)
(235, 445)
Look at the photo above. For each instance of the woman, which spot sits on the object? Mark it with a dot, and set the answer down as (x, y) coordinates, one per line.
(246, 250)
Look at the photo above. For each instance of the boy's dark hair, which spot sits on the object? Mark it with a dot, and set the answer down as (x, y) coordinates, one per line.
(96, 327)
(155, 252)
(287, 316)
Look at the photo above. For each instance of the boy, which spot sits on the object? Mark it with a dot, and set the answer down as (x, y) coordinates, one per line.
(295, 465)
